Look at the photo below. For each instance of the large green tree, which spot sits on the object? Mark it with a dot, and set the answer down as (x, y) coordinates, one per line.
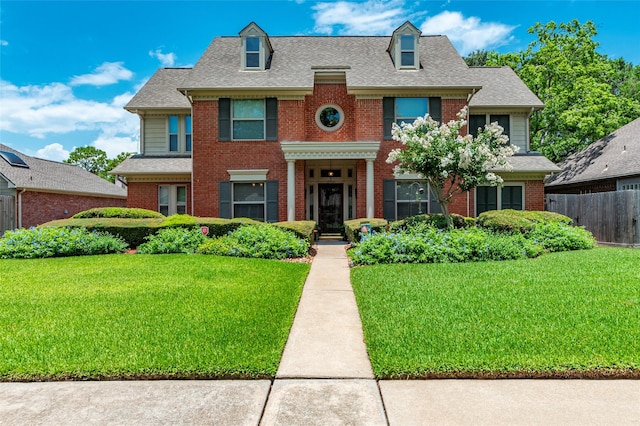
(95, 160)
(586, 95)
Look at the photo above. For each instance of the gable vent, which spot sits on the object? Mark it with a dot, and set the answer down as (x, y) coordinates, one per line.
(13, 159)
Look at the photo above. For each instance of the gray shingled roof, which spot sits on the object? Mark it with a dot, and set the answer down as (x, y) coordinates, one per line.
(532, 163)
(296, 59)
(160, 91)
(145, 165)
(615, 155)
(501, 87)
(51, 176)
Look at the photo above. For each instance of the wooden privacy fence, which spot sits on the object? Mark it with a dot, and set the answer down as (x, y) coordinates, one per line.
(612, 217)
(7, 213)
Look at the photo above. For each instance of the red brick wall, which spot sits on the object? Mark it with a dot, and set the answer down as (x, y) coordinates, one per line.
(42, 207)
(144, 195)
(330, 94)
(534, 195)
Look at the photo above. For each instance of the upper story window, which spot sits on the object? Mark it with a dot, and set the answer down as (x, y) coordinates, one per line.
(256, 48)
(179, 133)
(173, 133)
(478, 121)
(404, 47)
(248, 116)
(408, 109)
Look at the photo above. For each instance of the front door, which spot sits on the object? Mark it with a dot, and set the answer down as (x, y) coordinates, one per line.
(330, 211)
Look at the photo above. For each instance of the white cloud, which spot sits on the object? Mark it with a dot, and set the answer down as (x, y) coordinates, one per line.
(166, 59)
(4, 43)
(468, 34)
(373, 17)
(53, 151)
(107, 73)
(39, 111)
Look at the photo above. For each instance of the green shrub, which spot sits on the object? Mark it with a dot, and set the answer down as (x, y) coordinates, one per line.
(117, 212)
(180, 220)
(173, 240)
(432, 245)
(264, 241)
(434, 220)
(518, 220)
(57, 242)
(561, 237)
(302, 228)
(352, 227)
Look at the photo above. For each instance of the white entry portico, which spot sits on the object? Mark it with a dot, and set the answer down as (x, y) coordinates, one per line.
(361, 150)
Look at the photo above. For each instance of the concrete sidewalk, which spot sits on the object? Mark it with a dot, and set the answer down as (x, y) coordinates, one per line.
(325, 378)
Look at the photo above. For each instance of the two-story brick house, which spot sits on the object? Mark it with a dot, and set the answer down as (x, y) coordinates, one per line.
(292, 128)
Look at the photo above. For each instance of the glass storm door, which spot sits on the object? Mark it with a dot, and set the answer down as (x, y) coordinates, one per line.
(330, 211)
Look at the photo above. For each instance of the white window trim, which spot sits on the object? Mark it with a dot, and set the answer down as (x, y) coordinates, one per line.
(413, 178)
(172, 207)
(340, 121)
(182, 134)
(499, 195)
(414, 50)
(261, 55)
(264, 120)
(248, 175)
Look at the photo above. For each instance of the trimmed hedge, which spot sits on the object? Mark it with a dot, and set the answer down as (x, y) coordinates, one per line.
(436, 220)
(518, 220)
(117, 212)
(302, 228)
(352, 227)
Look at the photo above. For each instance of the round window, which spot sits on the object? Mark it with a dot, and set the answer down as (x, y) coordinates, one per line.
(329, 117)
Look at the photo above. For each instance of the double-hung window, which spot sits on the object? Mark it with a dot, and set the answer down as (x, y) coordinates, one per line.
(510, 196)
(478, 121)
(405, 197)
(249, 200)
(407, 51)
(173, 133)
(248, 116)
(179, 133)
(252, 53)
(172, 199)
(408, 109)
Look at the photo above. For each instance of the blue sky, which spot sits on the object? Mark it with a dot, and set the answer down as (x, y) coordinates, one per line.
(67, 68)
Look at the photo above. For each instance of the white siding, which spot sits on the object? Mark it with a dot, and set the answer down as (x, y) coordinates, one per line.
(155, 136)
(518, 132)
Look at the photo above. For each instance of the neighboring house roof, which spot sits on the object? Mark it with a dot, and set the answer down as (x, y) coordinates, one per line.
(501, 87)
(160, 91)
(51, 176)
(615, 155)
(150, 165)
(364, 60)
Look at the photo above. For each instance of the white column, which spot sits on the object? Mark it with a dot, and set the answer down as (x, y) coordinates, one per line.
(369, 188)
(291, 189)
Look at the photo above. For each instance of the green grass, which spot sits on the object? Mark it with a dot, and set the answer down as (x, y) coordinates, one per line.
(571, 314)
(153, 316)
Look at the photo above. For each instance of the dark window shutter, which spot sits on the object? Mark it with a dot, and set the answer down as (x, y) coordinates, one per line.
(435, 109)
(503, 120)
(224, 119)
(512, 197)
(272, 201)
(272, 119)
(486, 199)
(389, 197)
(225, 199)
(388, 116)
(476, 122)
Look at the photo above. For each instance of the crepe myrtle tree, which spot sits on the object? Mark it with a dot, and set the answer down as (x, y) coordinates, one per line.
(451, 162)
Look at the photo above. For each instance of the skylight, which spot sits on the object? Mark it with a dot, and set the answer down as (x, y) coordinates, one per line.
(13, 159)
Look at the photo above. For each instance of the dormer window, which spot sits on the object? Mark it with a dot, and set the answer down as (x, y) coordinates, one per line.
(256, 48)
(404, 47)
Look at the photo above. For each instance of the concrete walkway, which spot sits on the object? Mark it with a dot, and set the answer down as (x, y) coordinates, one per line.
(324, 378)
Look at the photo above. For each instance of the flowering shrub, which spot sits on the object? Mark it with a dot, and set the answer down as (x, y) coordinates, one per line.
(173, 240)
(260, 241)
(451, 162)
(57, 242)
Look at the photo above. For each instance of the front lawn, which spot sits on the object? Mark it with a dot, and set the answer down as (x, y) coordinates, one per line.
(570, 314)
(145, 316)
